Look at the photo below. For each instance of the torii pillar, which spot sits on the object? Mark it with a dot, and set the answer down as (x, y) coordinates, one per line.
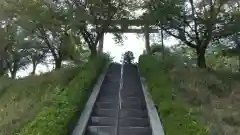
(100, 44)
(147, 39)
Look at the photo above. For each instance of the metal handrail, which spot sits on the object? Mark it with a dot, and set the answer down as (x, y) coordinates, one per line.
(120, 99)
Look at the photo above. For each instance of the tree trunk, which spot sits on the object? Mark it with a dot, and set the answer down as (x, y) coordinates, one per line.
(2, 68)
(147, 40)
(58, 63)
(93, 50)
(58, 59)
(100, 45)
(13, 73)
(34, 69)
(2, 72)
(13, 76)
(3, 64)
(163, 50)
(201, 61)
(238, 63)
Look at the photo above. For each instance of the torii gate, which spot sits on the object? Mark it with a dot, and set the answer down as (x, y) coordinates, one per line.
(125, 23)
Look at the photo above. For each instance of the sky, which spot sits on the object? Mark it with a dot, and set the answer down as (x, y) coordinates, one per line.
(131, 43)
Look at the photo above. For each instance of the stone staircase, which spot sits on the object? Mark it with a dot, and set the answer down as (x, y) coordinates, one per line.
(120, 107)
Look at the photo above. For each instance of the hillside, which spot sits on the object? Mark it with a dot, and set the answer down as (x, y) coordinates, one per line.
(194, 100)
(39, 104)
(21, 100)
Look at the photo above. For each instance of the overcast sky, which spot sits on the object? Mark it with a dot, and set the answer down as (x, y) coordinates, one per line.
(131, 43)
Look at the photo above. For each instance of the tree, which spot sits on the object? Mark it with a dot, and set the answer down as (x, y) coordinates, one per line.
(3, 52)
(97, 15)
(36, 52)
(231, 49)
(16, 56)
(195, 23)
(47, 21)
(8, 32)
(231, 43)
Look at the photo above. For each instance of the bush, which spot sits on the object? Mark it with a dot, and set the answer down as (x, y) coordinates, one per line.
(178, 118)
(58, 118)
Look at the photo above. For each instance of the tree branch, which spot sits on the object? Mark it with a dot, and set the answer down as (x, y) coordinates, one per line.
(179, 37)
(182, 31)
(45, 39)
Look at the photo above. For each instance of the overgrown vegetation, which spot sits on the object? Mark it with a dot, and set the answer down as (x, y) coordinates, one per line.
(212, 96)
(178, 117)
(67, 103)
(197, 24)
(33, 31)
(214, 93)
(21, 100)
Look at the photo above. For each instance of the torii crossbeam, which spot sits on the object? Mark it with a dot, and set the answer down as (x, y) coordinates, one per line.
(124, 24)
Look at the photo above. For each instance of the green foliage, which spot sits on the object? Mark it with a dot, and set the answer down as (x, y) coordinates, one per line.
(156, 48)
(5, 83)
(178, 118)
(195, 23)
(22, 99)
(55, 119)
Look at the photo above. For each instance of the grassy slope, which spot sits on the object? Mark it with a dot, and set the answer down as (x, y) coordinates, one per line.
(214, 95)
(179, 118)
(59, 117)
(21, 100)
(5, 82)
